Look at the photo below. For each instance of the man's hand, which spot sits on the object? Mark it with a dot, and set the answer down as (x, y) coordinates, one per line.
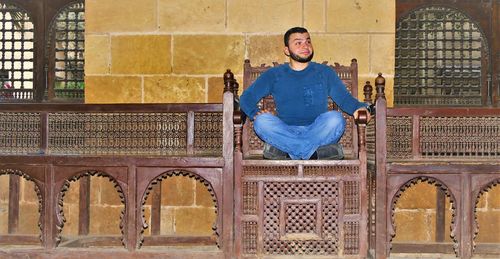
(264, 111)
(356, 114)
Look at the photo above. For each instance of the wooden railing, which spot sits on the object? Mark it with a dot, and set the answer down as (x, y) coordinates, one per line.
(456, 149)
(135, 146)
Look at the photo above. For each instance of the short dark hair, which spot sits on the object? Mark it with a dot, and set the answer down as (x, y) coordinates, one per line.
(286, 38)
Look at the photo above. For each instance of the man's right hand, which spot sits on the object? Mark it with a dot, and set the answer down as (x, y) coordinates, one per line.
(264, 111)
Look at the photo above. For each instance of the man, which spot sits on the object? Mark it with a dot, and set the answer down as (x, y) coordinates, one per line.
(303, 128)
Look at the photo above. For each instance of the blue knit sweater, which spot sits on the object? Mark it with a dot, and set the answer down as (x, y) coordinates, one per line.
(300, 96)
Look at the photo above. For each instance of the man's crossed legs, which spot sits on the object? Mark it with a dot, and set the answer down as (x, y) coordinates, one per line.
(303, 142)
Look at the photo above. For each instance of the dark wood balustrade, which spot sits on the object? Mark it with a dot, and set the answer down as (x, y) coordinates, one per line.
(456, 149)
(135, 146)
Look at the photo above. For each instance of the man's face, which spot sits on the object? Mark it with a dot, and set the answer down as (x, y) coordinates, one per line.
(300, 47)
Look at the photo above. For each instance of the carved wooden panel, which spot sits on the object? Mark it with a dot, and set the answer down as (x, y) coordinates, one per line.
(399, 137)
(300, 218)
(20, 133)
(208, 133)
(117, 133)
(97, 133)
(460, 137)
(291, 216)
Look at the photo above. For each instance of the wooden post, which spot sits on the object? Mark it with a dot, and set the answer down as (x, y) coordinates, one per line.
(84, 206)
(382, 215)
(363, 169)
(14, 189)
(156, 209)
(226, 220)
(440, 214)
(367, 92)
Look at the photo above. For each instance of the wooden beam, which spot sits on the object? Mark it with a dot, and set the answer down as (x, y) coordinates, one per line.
(156, 209)
(420, 248)
(19, 240)
(14, 181)
(84, 206)
(440, 214)
(179, 240)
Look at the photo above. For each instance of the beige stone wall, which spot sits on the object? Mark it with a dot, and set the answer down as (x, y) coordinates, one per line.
(187, 208)
(28, 207)
(415, 215)
(4, 203)
(176, 51)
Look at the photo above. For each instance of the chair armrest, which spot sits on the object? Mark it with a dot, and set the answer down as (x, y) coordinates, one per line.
(362, 118)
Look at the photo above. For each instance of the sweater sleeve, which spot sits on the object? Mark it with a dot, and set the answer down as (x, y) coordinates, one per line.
(339, 94)
(259, 89)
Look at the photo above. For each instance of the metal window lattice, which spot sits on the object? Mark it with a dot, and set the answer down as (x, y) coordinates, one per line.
(438, 58)
(68, 30)
(16, 53)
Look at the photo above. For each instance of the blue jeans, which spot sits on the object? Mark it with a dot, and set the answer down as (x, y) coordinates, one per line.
(300, 142)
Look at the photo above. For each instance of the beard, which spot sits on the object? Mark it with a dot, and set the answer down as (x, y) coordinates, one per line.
(301, 59)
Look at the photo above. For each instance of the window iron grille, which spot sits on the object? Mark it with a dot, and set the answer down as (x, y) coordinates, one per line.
(439, 55)
(16, 54)
(66, 48)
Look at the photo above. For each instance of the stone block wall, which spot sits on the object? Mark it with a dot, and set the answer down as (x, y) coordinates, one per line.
(157, 51)
(415, 215)
(28, 207)
(187, 208)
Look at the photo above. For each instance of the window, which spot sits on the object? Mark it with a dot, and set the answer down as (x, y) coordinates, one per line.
(66, 46)
(441, 59)
(16, 47)
(42, 49)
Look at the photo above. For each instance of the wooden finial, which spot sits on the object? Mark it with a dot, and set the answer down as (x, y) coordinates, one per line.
(228, 80)
(367, 92)
(380, 86)
(235, 88)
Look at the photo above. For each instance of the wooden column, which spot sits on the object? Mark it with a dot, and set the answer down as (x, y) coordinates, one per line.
(14, 190)
(84, 206)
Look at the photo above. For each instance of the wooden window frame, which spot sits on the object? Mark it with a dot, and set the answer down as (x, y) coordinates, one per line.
(41, 12)
(485, 13)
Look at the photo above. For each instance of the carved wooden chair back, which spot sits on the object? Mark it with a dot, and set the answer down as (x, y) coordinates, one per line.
(252, 145)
